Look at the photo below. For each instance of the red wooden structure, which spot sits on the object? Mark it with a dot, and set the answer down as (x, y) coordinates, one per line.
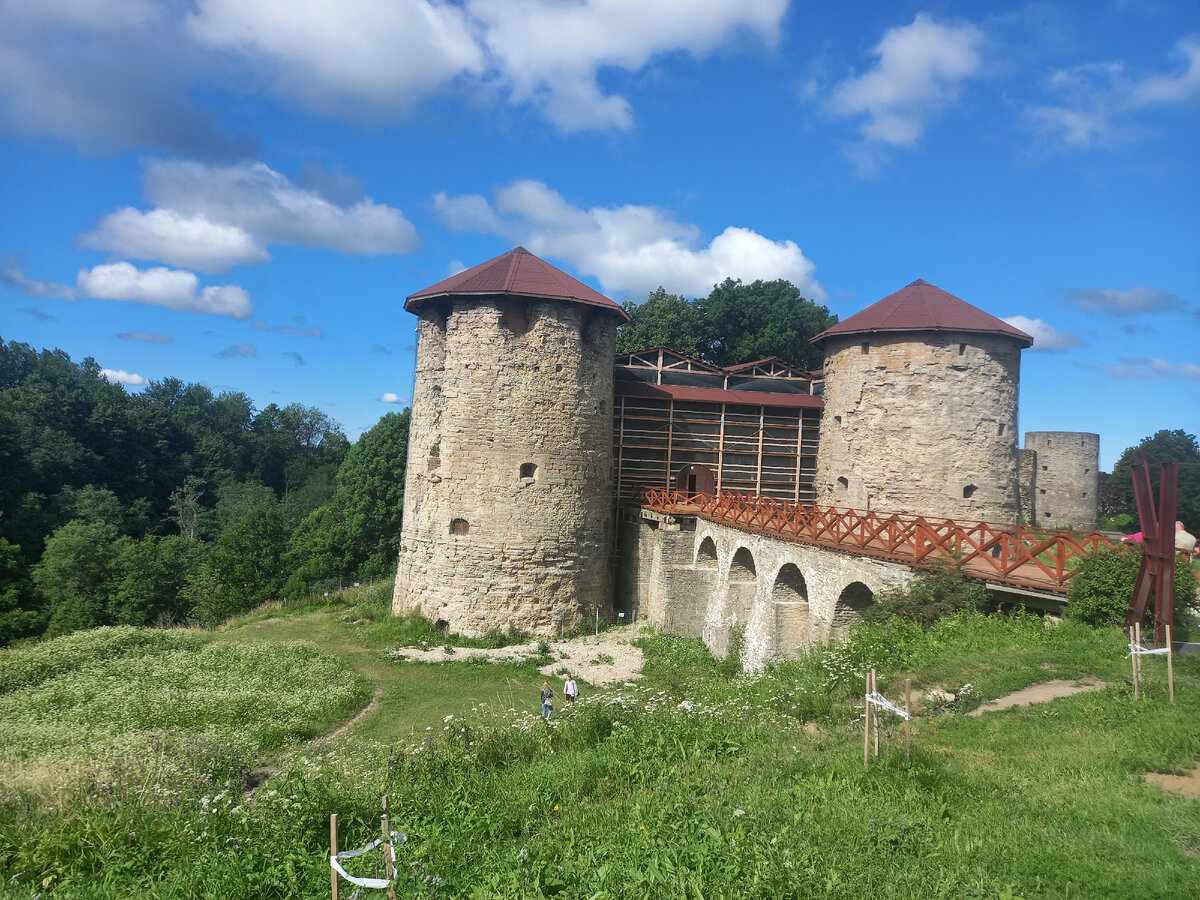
(1017, 555)
(1157, 573)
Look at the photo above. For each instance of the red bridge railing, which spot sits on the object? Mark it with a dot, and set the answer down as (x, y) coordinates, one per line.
(1018, 555)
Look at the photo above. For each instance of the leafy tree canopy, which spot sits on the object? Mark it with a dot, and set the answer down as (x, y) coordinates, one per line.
(735, 323)
(1163, 446)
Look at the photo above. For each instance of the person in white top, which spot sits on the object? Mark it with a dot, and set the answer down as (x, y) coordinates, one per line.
(570, 690)
(1184, 542)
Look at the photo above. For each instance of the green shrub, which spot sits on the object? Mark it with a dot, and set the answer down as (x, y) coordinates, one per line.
(933, 595)
(1100, 593)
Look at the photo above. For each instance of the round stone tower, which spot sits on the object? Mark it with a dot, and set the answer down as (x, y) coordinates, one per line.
(1065, 483)
(508, 492)
(921, 409)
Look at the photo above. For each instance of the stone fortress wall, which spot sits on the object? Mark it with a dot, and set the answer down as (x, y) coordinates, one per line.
(921, 422)
(1064, 490)
(507, 508)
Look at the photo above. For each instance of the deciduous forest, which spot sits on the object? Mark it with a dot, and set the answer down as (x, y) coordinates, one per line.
(176, 503)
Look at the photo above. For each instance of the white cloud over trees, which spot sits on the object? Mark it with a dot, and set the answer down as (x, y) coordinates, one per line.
(631, 249)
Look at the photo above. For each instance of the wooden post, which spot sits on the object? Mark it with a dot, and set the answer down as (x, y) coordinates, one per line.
(333, 852)
(388, 862)
(908, 721)
(1170, 665)
(875, 718)
(867, 722)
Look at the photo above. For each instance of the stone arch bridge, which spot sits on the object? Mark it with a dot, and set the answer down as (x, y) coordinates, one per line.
(787, 585)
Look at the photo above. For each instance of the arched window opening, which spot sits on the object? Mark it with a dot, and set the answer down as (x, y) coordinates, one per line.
(855, 597)
(528, 473)
(789, 602)
(843, 484)
(969, 491)
(460, 527)
(514, 317)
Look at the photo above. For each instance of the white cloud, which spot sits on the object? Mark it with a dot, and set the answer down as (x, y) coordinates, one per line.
(13, 274)
(165, 235)
(1146, 367)
(1098, 99)
(389, 397)
(1136, 300)
(628, 248)
(550, 52)
(1045, 336)
(159, 286)
(146, 338)
(920, 69)
(120, 376)
(264, 204)
(291, 330)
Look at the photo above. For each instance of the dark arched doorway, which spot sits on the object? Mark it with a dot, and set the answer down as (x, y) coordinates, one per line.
(696, 479)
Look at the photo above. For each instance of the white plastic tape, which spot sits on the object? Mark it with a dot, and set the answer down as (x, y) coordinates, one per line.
(879, 700)
(1139, 650)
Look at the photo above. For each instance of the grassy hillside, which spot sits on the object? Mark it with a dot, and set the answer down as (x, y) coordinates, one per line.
(695, 783)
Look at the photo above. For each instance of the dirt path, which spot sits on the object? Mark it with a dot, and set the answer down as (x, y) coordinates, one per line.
(1039, 693)
(1185, 785)
(362, 714)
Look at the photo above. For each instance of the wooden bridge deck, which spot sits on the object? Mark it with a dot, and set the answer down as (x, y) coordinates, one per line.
(1016, 555)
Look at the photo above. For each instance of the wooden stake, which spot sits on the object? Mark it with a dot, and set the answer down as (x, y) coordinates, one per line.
(388, 862)
(875, 718)
(908, 721)
(1170, 665)
(333, 852)
(1137, 660)
(867, 723)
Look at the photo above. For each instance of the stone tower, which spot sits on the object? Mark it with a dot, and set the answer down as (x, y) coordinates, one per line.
(921, 409)
(508, 494)
(1065, 483)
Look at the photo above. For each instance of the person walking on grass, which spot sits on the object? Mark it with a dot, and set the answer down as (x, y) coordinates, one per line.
(570, 690)
(547, 701)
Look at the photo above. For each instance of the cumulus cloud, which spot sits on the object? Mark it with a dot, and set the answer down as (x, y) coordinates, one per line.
(1098, 99)
(266, 205)
(120, 376)
(389, 397)
(108, 76)
(1142, 368)
(550, 53)
(172, 288)
(1046, 337)
(920, 69)
(238, 351)
(627, 248)
(13, 274)
(145, 337)
(1136, 300)
(165, 235)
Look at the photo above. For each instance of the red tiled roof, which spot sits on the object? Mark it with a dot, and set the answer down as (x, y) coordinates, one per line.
(516, 273)
(717, 395)
(922, 307)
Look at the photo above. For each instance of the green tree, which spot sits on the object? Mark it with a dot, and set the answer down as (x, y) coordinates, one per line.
(244, 570)
(17, 617)
(75, 573)
(663, 320)
(370, 494)
(759, 320)
(1100, 593)
(1162, 446)
(930, 596)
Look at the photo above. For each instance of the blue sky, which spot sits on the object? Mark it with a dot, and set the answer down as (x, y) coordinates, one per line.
(242, 192)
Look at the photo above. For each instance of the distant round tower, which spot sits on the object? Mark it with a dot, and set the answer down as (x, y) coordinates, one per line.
(921, 409)
(1066, 478)
(508, 492)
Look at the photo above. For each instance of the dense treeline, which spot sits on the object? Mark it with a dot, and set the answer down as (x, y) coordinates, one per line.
(176, 504)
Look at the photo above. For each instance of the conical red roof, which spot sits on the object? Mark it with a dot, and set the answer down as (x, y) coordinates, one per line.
(923, 307)
(516, 273)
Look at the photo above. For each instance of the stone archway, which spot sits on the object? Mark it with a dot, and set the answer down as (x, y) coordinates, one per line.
(706, 556)
(743, 582)
(789, 606)
(855, 598)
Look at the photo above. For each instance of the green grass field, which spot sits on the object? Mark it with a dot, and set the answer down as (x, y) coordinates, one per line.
(696, 783)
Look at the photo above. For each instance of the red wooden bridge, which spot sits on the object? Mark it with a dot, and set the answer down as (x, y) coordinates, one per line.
(1015, 555)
